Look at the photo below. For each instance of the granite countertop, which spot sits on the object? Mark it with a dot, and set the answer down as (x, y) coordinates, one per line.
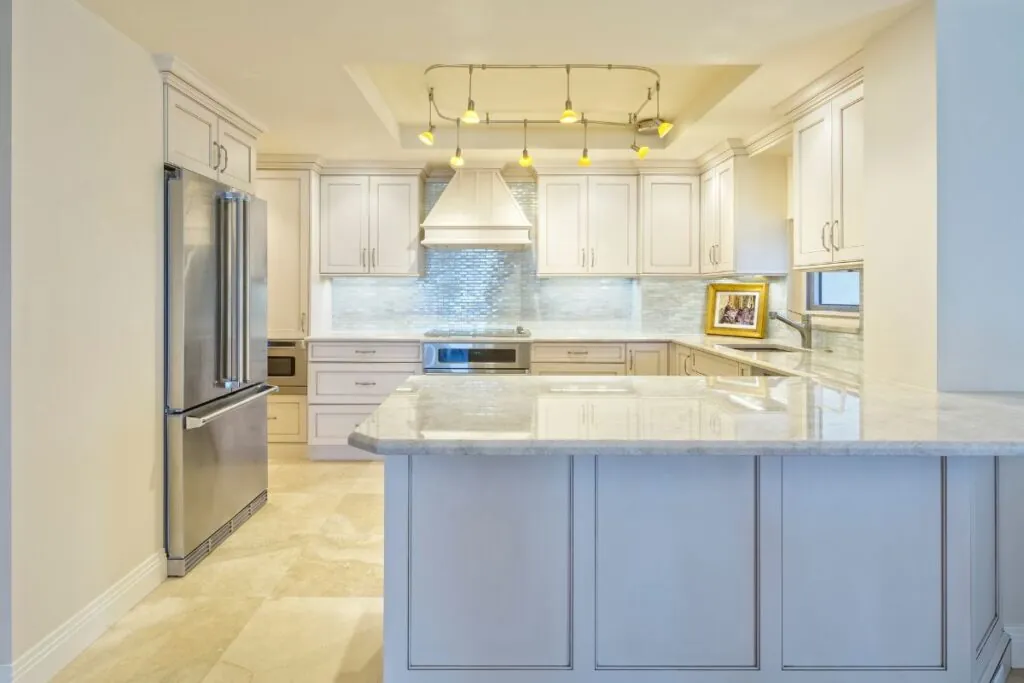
(817, 363)
(488, 415)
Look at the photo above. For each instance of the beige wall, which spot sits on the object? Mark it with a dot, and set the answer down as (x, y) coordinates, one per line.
(900, 274)
(5, 336)
(87, 299)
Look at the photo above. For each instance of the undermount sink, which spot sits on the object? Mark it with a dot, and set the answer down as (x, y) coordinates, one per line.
(761, 347)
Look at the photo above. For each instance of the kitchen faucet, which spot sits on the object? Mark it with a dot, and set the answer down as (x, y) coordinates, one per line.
(803, 328)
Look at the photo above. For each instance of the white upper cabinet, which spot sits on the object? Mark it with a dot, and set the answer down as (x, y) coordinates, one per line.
(848, 175)
(670, 225)
(611, 225)
(202, 132)
(238, 165)
(562, 225)
(191, 134)
(288, 197)
(394, 225)
(743, 217)
(369, 225)
(586, 225)
(828, 182)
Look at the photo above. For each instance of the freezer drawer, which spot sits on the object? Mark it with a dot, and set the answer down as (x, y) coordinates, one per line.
(216, 467)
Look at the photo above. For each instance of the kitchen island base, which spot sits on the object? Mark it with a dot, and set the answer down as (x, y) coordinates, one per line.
(691, 569)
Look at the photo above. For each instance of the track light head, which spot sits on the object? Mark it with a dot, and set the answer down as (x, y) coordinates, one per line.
(457, 161)
(427, 137)
(470, 115)
(641, 152)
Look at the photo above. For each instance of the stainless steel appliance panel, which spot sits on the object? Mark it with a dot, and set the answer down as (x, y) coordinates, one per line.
(476, 356)
(198, 229)
(287, 366)
(216, 465)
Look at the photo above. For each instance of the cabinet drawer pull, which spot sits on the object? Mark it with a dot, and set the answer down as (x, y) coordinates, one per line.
(271, 417)
(216, 164)
(225, 158)
(824, 229)
(583, 257)
(366, 384)
(366, 351)
(832, 235)
(578, 353)
(593, 259)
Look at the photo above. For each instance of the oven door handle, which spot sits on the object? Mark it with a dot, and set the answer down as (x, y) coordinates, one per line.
(203, 418)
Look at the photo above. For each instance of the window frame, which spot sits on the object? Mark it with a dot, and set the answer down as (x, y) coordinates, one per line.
(813, 286)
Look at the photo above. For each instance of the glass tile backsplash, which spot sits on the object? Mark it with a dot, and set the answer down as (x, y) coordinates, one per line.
(499, 286)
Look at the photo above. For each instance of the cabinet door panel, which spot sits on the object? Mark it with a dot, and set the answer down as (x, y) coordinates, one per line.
(725, 188)
(287, 196)
(583, 369)
(710, 365)
(671, 225)
(239, 162)
(708, 220)
(648, 359)
(812, 179)
(562, 418)
(611, 225)
(344, 226)
(848, 174)
(191, 141)
(394, 226)
(562, 226)
(476, 604)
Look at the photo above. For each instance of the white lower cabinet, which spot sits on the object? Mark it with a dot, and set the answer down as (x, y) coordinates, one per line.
(286, 419)
(647, 359)
(585, 369)
(347, 381)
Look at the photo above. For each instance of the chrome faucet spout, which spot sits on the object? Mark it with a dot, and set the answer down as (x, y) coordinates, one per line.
(803, 328)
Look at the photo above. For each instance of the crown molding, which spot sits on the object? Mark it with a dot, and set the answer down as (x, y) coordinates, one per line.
(184, 78)
(723, 151)
(337, 167)
(288, 162)
(840, 78)
(769, 137)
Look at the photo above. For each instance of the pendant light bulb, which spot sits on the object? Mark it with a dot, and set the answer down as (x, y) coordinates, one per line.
(427, 136)
(585, 157)
(526, 160)
(663, 126)
(457, 161)
(470, 115)
(568, 116)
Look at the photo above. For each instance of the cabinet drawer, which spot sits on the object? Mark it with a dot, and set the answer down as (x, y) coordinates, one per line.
(585, 369)
(355, 383)
(579, 353)
(286, 419)
(366, 352)
(710, 365)
(331, 425)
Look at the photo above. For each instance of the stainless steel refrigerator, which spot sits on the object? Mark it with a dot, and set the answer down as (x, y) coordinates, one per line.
(215, 364)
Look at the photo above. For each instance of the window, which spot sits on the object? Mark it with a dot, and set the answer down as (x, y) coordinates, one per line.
(834, 290)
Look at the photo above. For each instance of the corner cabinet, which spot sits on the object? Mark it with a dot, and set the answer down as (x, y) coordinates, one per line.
(828, 179)
(370, 225)
(289, 201)
(587, 225)
(202, 132)
(670, 219)
(743, 225)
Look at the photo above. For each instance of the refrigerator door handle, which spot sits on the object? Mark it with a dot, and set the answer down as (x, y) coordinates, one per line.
(244, 322)
(201, 419)
(226, 295)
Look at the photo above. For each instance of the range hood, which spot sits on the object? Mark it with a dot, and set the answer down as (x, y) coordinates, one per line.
(476, 209)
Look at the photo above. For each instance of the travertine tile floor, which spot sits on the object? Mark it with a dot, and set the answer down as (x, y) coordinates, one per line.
(294, 595)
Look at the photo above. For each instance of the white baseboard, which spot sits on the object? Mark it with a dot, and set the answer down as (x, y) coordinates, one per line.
(51, 654)
(1016, 633)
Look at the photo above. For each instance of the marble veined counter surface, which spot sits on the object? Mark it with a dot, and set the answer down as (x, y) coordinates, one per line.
(498, 415)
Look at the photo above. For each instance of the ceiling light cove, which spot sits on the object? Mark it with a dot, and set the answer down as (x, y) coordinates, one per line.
(630, 121)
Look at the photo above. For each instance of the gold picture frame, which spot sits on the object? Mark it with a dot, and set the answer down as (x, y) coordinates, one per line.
(737, 309)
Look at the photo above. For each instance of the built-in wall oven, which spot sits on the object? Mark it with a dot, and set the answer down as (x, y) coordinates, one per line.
(286, 365)
(471, 358)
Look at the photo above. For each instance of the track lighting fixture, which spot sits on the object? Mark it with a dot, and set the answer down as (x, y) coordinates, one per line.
(457, 160)
(568, 116)
(526, 160)
(427, 136)
(663, 126)
(470, 115)
(585, 157)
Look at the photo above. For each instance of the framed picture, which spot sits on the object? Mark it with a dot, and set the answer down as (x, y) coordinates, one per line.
(737, 310)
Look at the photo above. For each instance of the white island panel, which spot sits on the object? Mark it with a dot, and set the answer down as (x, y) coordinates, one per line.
(862, 563)
(676, 562)
(489, 562)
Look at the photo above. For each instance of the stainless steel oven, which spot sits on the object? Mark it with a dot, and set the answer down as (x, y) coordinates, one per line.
(286, 365)
(484, 358)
